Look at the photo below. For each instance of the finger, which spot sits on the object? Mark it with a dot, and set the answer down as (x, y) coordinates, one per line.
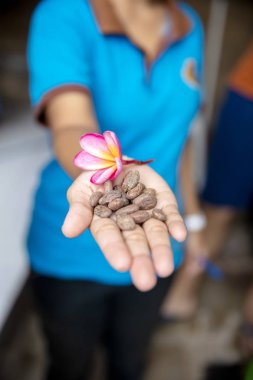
(77, 219)
(79, 215)
(142, 269)
(111, 242)
(175, 223)
(159, 242)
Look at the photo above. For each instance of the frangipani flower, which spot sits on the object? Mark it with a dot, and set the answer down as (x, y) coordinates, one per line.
(102, 154)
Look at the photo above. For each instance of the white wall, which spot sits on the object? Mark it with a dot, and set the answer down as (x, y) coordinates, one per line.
(23, 150)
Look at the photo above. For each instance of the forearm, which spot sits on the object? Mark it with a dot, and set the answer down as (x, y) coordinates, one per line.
(191, 204)
(66, 146)
(69, 116)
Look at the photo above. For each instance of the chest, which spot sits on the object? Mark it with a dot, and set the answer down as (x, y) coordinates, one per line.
(126, 92)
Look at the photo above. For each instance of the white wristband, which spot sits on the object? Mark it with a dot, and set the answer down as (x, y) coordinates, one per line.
(195, 222)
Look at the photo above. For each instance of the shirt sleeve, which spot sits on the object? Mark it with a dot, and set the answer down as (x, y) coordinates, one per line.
(58, 53)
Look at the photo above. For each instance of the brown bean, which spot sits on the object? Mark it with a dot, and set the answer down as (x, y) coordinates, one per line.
(108, 186)
(125, 222)
(140, 216)
(94, 198)
(159, 214)
(102, 211)
(150, 191)
(145, 201)
(110, 196)
(127, 209)
(118, 187)
(118, 203)
(135, 192)
(114, 217)
(130, 180)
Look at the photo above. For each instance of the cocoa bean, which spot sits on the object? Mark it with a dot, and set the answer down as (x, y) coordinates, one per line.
(135, 192)
(108, 186)
(118, 187)
(130, 180)
(150, 191)
(94, 198)
(159, 214)
(125, 222)
(102, 211)
(124, 196)
(110, 196)
(127, 209)
(114, 217)
(140, 216)
(145, 201)
(118, 203)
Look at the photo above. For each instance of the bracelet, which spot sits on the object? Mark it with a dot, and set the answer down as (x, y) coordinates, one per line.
(195, 222)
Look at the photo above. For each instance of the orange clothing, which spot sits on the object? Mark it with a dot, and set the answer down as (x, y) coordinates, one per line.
(241, 77)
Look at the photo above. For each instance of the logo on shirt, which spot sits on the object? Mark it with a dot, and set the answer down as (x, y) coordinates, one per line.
(189, 73)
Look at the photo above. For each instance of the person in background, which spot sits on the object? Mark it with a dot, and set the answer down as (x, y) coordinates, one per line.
(229, 186)
(228, 191)
(181, 301)
(134, 68)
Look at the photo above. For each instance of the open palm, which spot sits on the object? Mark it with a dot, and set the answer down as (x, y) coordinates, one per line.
(145, 251)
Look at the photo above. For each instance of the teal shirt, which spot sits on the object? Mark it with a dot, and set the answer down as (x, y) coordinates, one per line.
(150, 112)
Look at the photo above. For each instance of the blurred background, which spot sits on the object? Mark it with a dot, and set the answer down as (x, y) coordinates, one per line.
(180, 350)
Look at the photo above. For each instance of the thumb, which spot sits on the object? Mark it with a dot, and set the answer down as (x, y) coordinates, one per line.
(79, 215)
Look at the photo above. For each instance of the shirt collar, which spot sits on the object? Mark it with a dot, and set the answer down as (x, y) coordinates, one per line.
(108, 22)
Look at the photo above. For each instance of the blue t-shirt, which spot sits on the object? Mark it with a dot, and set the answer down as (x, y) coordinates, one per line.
(150, 112)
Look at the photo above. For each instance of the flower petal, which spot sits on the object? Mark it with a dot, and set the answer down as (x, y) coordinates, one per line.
(95, 144)
(113, 143)
(86, 161)
(119, 169)
(101, 176)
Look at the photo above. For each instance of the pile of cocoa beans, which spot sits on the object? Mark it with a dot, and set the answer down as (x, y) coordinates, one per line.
(127, 204)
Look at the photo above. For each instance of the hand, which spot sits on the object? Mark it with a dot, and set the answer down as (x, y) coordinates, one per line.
(145, 252)
(196, 247)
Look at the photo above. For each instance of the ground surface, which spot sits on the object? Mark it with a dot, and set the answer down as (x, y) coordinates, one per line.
(179, 351)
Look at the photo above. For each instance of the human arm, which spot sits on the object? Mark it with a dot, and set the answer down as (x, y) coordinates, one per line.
(196, 245)
(130, 250)
(61, 62)
(70, 115)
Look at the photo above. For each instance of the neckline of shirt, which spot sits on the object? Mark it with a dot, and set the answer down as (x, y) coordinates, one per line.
(109, 24)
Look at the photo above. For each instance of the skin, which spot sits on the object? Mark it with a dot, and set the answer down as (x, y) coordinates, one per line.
(196, 241)
(181, 301)
(142, 21)
(145, 252)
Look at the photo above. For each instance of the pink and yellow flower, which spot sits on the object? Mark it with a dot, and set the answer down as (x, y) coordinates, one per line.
(102, 154)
